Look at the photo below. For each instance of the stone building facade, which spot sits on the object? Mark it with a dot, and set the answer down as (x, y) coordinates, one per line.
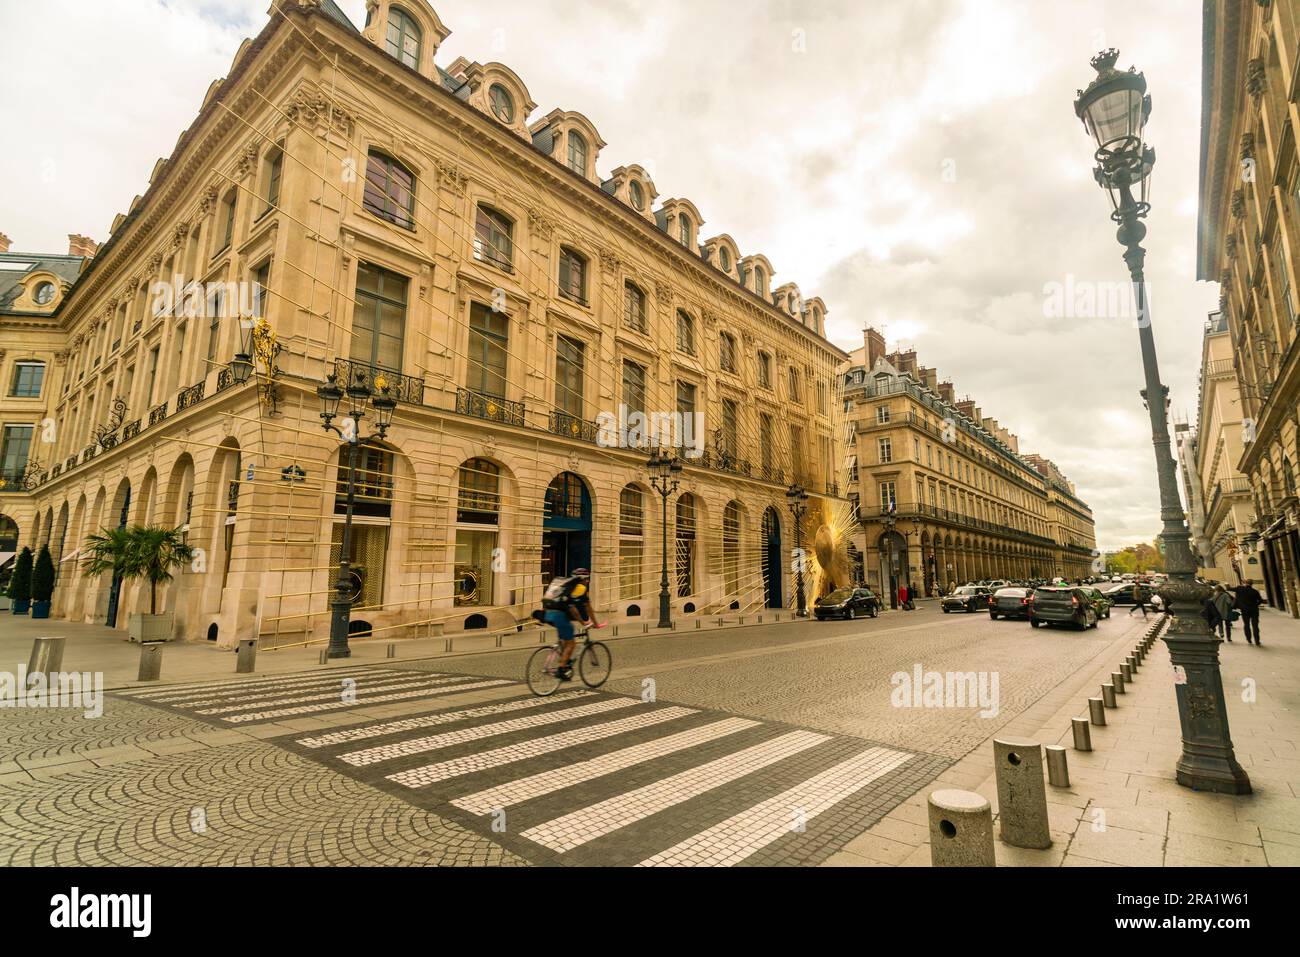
(942, 493)
(407, 226)
(1248, 242)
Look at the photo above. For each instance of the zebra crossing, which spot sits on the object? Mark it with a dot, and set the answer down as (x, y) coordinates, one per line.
(241, 702)
(593, 778)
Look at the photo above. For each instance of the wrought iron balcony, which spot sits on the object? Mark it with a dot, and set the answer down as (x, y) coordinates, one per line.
(561, 423)
(89, 452)
(225, 379)
(108, 440)
(157, 414)
(489, 407)
(70, 461)
(404, 388)
(189, 397)
(130, 430)
(57, 470)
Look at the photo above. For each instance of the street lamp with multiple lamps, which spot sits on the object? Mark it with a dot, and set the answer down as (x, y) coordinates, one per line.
(664, 472)
(361, 397)
(1114, 110)
(798, 500)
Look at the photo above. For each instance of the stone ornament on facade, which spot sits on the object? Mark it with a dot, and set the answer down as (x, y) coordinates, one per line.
(451, 177)
(610, 261)
(1255, 79)
(208, 202)
(309, 109)
(540, 223)
(1238, 204)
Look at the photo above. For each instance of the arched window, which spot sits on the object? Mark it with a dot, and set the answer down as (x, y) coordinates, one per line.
(637, 195)
(577, 153)
(502, 103)
(372, 482)
(564, 496)
(631, 541)
(684, 230)
(478, 503)
(493, 238)
(479, 499)
(758, 280)
(724, 258)
(731, 516)
(403, 37)
(389, 190)
(685, 333)
(274, 170)
(685, 537)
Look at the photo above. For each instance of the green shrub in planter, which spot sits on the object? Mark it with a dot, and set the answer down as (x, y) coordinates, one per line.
(147, 552)
(42, 583)
(20, 586)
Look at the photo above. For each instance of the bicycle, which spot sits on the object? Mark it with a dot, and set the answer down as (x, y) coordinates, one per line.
(594, 663)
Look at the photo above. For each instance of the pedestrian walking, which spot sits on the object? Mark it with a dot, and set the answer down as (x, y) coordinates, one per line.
(1223, 607)
(902, 597)
(1248, 602)
(1139, 602)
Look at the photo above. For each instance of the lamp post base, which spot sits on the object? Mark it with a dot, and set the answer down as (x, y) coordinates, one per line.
(1208, 761)
(340, 614)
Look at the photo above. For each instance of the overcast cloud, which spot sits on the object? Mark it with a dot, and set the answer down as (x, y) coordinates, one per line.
(916, 163)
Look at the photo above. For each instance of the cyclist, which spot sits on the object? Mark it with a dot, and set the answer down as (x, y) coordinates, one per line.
(568, 600)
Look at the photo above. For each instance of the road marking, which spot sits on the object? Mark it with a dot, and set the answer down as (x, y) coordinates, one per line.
(586, 824)
(546, 782)
(436, 742)
(335, 693)
(432, 773)
(278, 692)
(376, 699)
(225, 687)
(731, 841)
(429, 721)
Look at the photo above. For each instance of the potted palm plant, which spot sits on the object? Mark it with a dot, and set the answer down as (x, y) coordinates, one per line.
(42, 583)
(20, 585)
(140, 552)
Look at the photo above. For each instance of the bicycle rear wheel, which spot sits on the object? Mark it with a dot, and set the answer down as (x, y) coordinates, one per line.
(595, 664)
(540, 673)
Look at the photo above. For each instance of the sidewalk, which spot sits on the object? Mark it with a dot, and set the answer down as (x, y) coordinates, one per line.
(1123, 807)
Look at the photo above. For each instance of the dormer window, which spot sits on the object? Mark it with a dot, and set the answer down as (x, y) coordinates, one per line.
(758, 280)
(637, 196)
(577, 153)
(684, 230)
(724, 258)
(403, 38)
(503, 104)
(44, 294)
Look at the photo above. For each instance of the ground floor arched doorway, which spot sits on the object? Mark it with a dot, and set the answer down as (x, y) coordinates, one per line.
(894, 565)
(772, 559)
(566, 527)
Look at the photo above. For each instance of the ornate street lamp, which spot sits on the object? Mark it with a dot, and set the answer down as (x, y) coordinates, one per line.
(360, 397)
(798, 501)
(1114, 110)
(664, 472)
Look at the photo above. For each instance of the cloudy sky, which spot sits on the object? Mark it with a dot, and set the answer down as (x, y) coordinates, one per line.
(916, 163)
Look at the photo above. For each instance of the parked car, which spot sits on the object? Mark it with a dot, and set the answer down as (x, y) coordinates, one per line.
(1099, 601)
(967, 598)
(847, 603)
(1061, 606)
(1009, 603)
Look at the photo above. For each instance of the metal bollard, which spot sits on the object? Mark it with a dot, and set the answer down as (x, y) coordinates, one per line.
(1117, 680)
(1022, 796)
(150, 661)
(47, 658)
(1108, 695)
(961, 829)
(1082, 734)
(1132, 662)
(698, 622)
(324, 656)
(246, 657)
(616, 631)
(1126, 672)
(392, 650)
(1097, 711)
(1058, 767)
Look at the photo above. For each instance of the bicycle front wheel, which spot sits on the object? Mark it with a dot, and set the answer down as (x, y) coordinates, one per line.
(595, 664)
(540, 674)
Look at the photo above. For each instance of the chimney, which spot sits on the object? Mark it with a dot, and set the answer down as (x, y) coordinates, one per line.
(875, 344)
(1013, 441)
(947, 392)
(907, 362)
(81, 246)
(931, 379)
(967, 408)
(4, 243)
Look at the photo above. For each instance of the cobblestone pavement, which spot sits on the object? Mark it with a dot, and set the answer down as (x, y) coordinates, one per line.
(768, 745)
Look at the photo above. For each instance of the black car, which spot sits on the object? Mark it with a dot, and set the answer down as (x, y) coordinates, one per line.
(1009, 603)
(1062, 606)
(967, 598)
(847, 603)
(1123, 594)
